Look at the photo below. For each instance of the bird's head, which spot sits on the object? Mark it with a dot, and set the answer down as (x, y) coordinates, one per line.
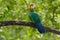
(31, 7)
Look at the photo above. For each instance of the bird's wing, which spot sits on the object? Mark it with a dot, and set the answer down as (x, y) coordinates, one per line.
(34, 17)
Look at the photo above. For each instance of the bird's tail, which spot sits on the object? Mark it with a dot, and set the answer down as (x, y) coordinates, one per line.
(41, 29)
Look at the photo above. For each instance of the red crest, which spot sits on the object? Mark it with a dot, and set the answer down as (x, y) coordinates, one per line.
(31, 6)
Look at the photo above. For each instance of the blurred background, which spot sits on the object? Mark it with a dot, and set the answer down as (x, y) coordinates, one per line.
(48, 10)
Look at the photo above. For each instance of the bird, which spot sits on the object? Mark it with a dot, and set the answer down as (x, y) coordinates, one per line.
(34, 17)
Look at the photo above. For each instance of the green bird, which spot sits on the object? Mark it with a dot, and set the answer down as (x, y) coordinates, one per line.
(34, 17)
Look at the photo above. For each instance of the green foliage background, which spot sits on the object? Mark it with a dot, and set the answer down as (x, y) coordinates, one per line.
(19, 9)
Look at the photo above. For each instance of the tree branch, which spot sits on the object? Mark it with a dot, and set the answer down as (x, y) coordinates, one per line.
(30, 24)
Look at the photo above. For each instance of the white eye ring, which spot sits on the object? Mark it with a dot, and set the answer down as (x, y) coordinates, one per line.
(32, 7)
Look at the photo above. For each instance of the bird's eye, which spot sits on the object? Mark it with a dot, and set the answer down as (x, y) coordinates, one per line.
(32, 7)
